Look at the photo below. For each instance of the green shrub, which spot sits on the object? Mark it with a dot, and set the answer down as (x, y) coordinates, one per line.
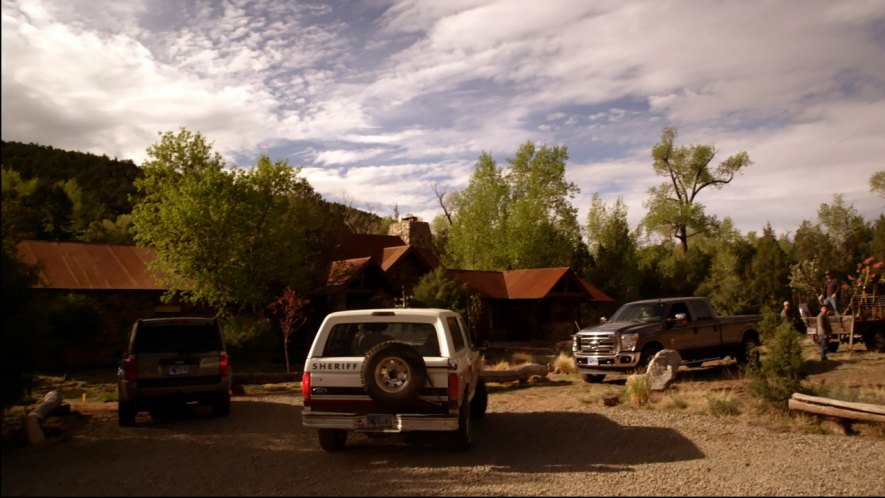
(782, 369)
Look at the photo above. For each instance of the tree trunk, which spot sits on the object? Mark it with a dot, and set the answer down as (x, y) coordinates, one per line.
(286, 353)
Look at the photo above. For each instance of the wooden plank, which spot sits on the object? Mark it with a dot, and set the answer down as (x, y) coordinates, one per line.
(832, 411)
(864, 412)
(848, 405)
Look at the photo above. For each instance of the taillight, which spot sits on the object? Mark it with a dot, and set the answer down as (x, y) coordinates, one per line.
(454, 387)
(305, 388)
(130, 367)
(223, 364)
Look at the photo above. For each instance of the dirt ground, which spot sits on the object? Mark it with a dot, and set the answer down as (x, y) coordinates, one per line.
(550, 436)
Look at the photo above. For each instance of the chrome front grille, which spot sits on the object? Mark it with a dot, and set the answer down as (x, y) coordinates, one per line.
(597, 343)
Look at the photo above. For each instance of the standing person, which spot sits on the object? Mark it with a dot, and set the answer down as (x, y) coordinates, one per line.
(791, 316)
(830, 292)
(824, 330)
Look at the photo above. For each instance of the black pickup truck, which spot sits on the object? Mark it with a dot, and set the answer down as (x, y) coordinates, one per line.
(638, 330)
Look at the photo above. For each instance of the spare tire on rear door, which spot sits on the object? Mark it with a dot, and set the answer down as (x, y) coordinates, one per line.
(393, 372)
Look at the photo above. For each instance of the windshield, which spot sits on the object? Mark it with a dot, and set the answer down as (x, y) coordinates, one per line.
(639, 312)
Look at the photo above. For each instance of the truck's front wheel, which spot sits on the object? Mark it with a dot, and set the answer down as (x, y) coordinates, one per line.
(593, 378)
(645, 357)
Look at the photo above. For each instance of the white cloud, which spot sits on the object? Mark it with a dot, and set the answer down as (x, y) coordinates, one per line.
(383, 99)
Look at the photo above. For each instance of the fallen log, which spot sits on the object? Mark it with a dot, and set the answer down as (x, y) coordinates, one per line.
(862, 412)
(521, 373)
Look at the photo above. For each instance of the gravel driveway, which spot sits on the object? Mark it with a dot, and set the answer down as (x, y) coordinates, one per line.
(522, 447)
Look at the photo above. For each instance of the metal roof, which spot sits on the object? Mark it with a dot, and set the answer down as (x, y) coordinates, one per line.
(81, 266)
(533, 283)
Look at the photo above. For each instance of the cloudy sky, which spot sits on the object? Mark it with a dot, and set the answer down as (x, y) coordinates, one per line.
(381, 100)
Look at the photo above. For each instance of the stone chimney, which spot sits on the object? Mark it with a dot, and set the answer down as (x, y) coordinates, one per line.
(413, 232)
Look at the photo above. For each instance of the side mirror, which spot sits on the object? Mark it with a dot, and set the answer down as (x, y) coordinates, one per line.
(678, 319)
(603, 320)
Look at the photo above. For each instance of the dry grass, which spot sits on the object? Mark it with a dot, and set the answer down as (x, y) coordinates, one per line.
(564, 364)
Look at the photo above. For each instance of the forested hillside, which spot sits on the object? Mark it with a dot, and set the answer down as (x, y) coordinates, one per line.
(50, 193)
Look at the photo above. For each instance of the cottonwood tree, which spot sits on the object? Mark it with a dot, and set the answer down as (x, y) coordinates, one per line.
(673, 209)
(542, 227)
(521, 218)
(224, 238)
(480, 217)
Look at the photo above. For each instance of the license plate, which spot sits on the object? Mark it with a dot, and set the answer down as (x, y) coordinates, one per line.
(178, 369)
(592, 361)
(380, 421)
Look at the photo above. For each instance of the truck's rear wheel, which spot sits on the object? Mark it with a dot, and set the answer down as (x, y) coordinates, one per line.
(332, 439)
(126, 412)
(874, 340)
(480, 400)
(749, 352)
(461, 437)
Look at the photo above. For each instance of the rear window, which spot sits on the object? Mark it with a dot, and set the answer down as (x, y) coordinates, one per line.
(355, 339)
(177, 338)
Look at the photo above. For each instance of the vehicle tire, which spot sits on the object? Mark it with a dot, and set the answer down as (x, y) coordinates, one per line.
(480, 400)
(461, 438)
(332, 439)
(393, 372)
(221, 405)
(126, 412)
(593, 378)
(645, 357)
(874, 340)
(749, 352)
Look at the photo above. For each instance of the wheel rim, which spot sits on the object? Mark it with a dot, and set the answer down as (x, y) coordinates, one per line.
(392, 374)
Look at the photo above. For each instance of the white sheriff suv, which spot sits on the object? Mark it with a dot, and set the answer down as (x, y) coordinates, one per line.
(382, 371)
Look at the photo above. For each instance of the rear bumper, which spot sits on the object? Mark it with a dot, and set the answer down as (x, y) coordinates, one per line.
(393, 422)
(134, 392)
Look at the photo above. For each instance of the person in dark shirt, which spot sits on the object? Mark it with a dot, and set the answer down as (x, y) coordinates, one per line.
(791, 316)
(830, 292)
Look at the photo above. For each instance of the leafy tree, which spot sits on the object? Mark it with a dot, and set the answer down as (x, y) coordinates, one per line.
(768, 281)
(19, 344)
(613, 249)
(478, 226)
(726, 282)
(811, 243)
(673, 209)
(847, 231)
(542, 227)
(290, 310)
(437, 290)
(228, 239)
(877, 183)
(521, 219)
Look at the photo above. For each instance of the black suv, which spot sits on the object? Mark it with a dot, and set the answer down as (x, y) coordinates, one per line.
(173, 360)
